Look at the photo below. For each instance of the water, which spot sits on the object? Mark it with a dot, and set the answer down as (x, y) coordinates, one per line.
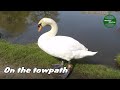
(88, 29)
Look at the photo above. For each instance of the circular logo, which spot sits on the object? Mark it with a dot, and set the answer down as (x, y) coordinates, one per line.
(109, 21)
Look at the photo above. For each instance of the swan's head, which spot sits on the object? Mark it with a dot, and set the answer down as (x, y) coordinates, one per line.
(43, 22)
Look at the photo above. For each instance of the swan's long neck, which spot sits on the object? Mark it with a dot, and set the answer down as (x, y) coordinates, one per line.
(46, 36)
(53, 31)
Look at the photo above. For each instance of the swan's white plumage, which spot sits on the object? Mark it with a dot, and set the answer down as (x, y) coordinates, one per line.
(63, 47)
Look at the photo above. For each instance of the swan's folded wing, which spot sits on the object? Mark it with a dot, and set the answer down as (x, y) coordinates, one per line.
(65, 43)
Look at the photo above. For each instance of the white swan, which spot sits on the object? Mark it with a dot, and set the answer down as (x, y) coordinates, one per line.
(63, 47)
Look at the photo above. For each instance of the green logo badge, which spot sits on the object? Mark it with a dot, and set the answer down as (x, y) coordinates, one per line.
(109, 21)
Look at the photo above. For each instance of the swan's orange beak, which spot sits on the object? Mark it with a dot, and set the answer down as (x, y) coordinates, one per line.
(39, 28)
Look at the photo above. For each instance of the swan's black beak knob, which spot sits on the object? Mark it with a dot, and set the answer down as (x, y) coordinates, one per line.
(39, 27)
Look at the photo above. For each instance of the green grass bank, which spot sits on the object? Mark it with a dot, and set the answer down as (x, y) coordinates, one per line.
(30, 56)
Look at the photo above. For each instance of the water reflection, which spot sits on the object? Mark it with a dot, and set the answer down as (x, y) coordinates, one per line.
(96, 12)
(13, 23)
(37, 15)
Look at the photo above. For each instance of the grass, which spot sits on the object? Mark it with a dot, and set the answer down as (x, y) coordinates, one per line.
(31, 56)
(24, 55)
(91, 71)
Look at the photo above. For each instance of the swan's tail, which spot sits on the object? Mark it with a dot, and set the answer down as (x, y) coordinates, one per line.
(90, 53)
(83, 53)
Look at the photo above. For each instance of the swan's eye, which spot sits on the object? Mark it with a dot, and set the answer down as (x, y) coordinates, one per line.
(39, 25)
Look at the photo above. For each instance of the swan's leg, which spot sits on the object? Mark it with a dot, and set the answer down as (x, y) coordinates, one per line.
(57, 66)
(69, 67)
